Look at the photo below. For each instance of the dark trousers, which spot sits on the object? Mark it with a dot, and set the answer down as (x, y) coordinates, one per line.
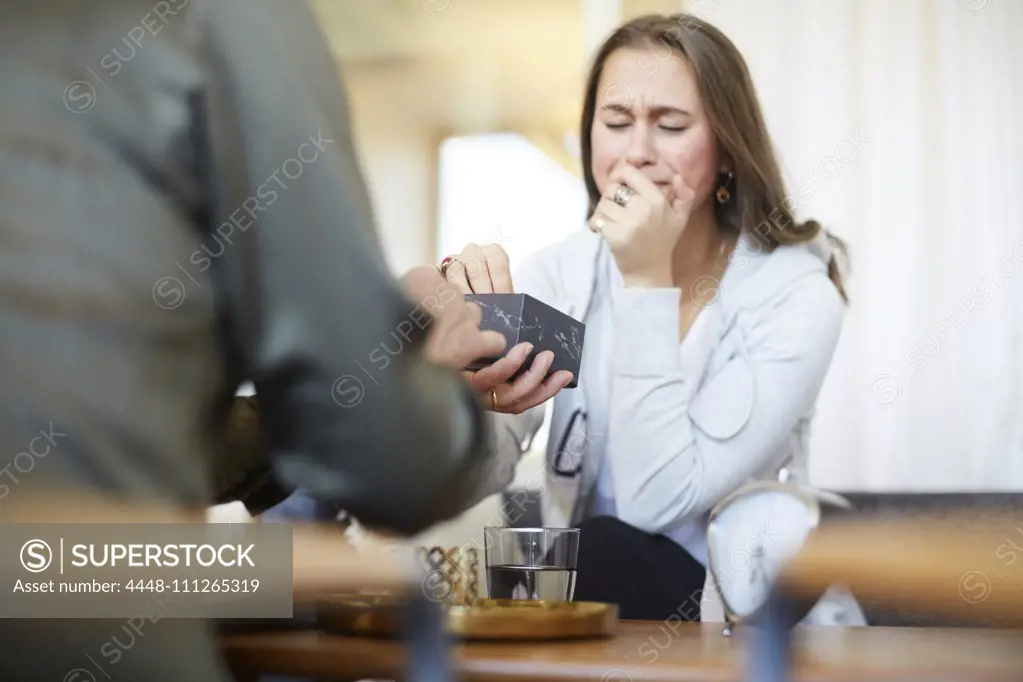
(648, 576)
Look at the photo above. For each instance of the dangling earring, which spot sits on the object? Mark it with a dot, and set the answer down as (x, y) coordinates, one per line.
(723, 193)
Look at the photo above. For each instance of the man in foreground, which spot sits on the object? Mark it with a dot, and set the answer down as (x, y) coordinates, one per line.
(180, 211)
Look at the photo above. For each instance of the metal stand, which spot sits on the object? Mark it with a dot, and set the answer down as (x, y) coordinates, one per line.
(428, 643)
(768, 654)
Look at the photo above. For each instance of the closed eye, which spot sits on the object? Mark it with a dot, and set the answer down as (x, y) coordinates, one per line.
(667, 129)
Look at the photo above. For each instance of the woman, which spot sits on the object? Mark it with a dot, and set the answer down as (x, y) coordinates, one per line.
(712, 315)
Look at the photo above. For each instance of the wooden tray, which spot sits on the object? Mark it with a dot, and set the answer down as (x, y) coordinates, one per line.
(487, 619)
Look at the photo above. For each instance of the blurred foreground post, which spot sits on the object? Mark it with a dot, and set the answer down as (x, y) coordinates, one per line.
(955, 569)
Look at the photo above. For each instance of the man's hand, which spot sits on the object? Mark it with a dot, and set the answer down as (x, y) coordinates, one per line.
(455, 338)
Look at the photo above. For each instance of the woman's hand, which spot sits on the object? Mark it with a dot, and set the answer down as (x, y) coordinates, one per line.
(643, 233)
(485, 270)
(526, 391)
(480, 270)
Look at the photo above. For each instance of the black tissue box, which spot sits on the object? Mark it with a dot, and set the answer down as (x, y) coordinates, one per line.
(522, 318)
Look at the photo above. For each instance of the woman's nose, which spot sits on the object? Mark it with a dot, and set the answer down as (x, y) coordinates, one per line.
(640, 152)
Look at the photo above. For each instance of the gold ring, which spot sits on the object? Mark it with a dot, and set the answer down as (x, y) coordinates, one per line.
(493, 399)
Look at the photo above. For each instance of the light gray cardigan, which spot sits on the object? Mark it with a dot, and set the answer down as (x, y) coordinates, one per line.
(680, 435)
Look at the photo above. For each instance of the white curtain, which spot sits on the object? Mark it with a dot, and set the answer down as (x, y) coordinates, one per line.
(898, 123)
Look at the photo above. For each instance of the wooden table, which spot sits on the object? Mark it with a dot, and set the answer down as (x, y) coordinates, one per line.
(652, 651)
(951, 569)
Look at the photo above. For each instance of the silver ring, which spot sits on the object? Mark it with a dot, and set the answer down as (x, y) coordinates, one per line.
(622, 196)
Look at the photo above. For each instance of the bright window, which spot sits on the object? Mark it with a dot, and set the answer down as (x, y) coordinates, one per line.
(501, 188)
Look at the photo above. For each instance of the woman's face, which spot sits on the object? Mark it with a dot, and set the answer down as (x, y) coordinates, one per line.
(653, 121)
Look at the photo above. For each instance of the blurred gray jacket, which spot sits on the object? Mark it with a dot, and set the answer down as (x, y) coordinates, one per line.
(181, 210)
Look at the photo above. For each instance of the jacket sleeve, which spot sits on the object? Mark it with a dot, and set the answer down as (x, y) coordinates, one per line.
(351, 410)
(676, 452)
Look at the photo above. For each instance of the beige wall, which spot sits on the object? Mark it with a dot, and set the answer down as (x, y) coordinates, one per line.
(399, 163)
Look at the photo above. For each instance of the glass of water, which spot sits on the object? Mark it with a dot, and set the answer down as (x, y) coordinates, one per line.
(531, 563)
